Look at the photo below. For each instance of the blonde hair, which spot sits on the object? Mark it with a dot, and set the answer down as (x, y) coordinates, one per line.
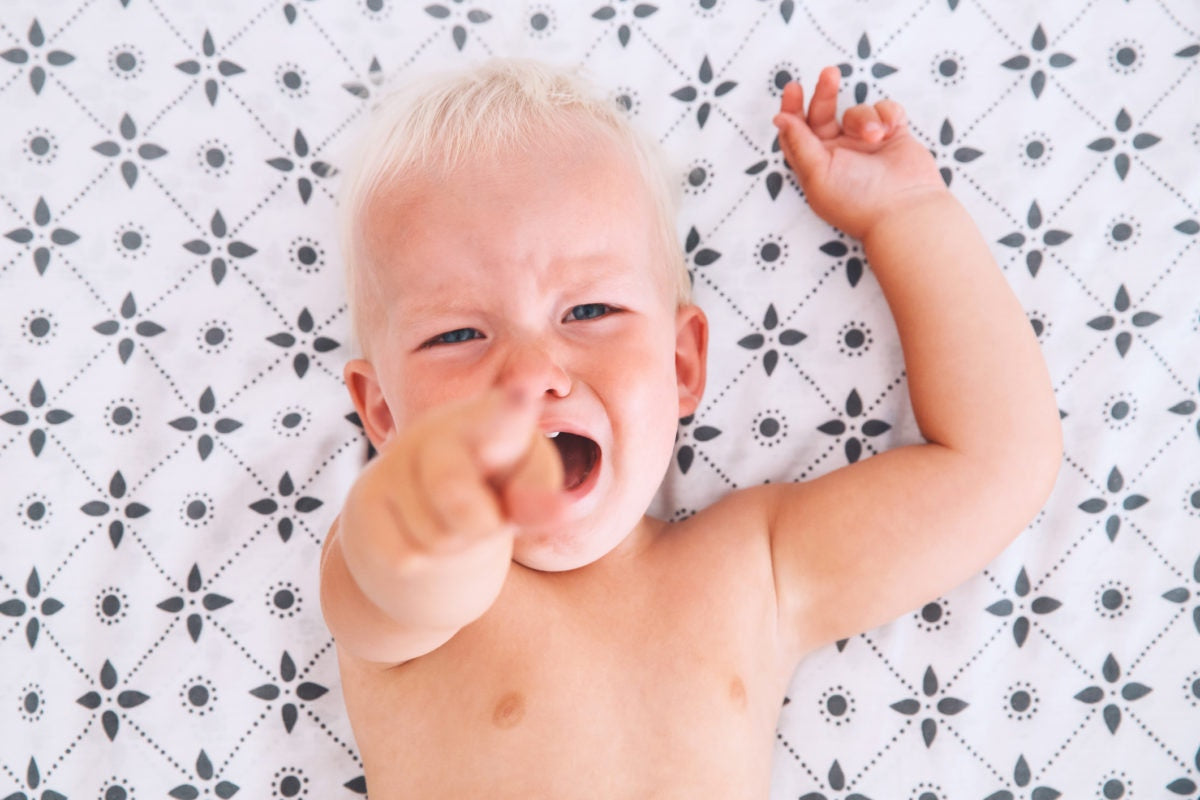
(433, 127)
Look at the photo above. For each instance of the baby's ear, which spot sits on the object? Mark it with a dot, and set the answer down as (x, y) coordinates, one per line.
(369, 401)
(691, 356)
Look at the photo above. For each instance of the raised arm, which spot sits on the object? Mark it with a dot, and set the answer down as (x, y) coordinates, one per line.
(865, 543)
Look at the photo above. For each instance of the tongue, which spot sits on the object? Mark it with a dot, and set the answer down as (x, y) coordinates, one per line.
(578, 455)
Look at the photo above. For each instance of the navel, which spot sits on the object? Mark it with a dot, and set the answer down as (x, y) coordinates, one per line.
(509, 711)
(737, 692)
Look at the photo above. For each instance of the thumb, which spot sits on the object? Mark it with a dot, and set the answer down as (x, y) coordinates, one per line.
(803, 149)
(532, 493)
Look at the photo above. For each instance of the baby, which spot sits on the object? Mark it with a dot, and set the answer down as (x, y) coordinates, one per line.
(510, 622)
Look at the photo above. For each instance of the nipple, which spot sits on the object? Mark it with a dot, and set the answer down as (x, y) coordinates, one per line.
(509, 711)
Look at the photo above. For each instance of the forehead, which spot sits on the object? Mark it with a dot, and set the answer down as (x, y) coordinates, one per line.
(531, 219)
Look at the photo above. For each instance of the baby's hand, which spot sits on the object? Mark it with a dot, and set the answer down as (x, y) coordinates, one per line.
(855, 173)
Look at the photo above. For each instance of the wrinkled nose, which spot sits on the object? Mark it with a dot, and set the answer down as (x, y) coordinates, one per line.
(530, 367)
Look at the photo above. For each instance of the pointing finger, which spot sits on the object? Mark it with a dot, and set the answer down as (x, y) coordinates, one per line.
(822, 110)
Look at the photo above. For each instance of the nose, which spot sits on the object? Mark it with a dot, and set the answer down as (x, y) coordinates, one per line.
(530, 366)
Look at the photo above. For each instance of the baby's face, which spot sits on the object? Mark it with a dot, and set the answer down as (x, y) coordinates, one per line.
(541, 274)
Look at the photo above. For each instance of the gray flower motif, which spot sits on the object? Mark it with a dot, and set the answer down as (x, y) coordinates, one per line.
(204, 771)
(319, 168)
(319, 344)
(142, 328)
(1039, 606)
(222, 67)
(786, 9)
(33, 779)
(701, 257)
(701, 433)
(774, 177)
(1140, 142)
(949, 706)
(210, 602)
(303, 692)
(1140, 319)
(58, 236)
(289, 12)
(786, 337)
(689, 94)
(837, 782)
(1180, 595)
(961, 155)
(145, 150)
(1022, 777)
(1185, 785)
(374, 77)
(1094, 505)
(17, 607)
(870, 427)
(53, 416)
(1027, 243)
(207, 405)
(100, 508)
(1129, 692)
(130, 698)
(876, 69)
(619, 12)
(851, 252)
(1021, 62)
(235, 248)
(37, 74)
(1185, 408)
(474, 16)
(269, 505)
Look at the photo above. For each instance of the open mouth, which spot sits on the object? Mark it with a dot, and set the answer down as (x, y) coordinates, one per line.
(579, 455)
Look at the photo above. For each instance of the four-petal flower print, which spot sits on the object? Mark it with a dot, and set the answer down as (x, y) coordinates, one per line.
(223, 68)
(946, 706)
(146, 150)
(44, 240)
(294, 696)
(37, 73)
(110, 720)
(1038, 61)
(35, 416)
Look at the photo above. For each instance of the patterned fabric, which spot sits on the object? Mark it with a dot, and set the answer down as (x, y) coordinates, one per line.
(175, 438)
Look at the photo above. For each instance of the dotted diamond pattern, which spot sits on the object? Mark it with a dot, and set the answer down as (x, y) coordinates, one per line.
(175, 438)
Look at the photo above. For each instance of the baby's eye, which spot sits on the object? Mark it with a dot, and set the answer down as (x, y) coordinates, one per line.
(454, 337)
(589, 311)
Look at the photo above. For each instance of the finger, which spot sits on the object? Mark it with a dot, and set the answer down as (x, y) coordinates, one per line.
(863, 122)
(533, 494)
(451, 503)
(892, 115)
(822, 110)
(792, 101)
(804, 151)
(498, 427)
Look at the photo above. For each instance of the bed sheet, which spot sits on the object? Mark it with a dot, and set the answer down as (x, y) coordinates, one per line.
(175, 438)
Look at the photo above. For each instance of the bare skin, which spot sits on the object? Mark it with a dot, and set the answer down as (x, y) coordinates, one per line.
(501, 636)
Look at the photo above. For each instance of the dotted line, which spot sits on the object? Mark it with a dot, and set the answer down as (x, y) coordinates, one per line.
(886, 391)
(243, 465)
(749, 35)
(988, 197)
(708, 406)
(1066, 554)
(1062, 747)
(257, 119)
(312, 661)
(133, 535)
(895, 738)
(726, 298)
(320, 364)
(358, 112)
(344, 446)
(237, 553)
(1084, 473)
(820, 282)
(483, 42)
(787, 745)
(1150, 543)
(903, 26)
(146, 655)
(172, 28)
(1178, 614)
(832, 406)
(82, 370)
(77, 101)
(83, 192)
(154, 744)
(325, 729)
(182, 279)
(262, 374)
(259, 206)
(49, 581)
(903, 681)
(1174, 262)
(1074, 102)
(1154, 106)
(1149, 344)
(337, 312)
(16, 780)
(250, 23)
(1100, 162)
(262, 295)
(814, 465)
(971, 750)
(87, 284)
(58, 646)
(240, 647)
(667, 133)
(163, 372)
(12, 628)
(225, 764)
(169, 456)
(15, 211)
(1154, 457)
(78, 467)
(995, 635)
(1175, 19)
(316, 539)
(1073, 22)
(324, 35)
(682, 72)
(62, 757)
(416, 53)
(1077, 367)
(836, 45)
(716, 469)
(1066, 268)
(162, 112)
(70, 20)
(1179, 195)
(1161, 745)
(736, 205)
(1087, 673)
(175, 202)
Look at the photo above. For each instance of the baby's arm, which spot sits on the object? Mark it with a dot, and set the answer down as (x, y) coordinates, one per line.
(865, 543)
(424, 541)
